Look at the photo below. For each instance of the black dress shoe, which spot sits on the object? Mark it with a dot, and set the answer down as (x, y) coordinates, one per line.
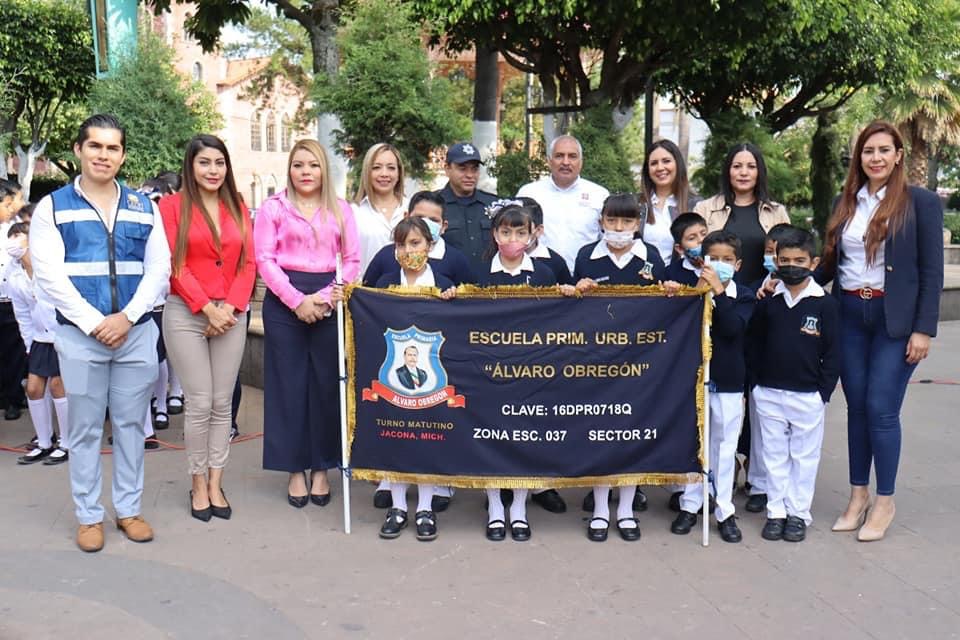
(175, 408)
(161, 421)
(221, 512)
(795, 529)
(496, 530)
(200, 514)
(12, 413)
(756, 503)
(674, 502)
(426, 525)
(151, 443)
(773, 529)
(729, 531)
(321, 500)
(520, 530)
(683, 523)
(550, 500)
(597, 534)
(59, 456)
(588, 502)
(382, 499)
(439, 504)
(629, 533)
(639, 500)
(36, 455)
(297, 501)
(395, 523)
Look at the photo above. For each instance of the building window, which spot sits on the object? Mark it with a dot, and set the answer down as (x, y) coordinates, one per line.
(197, 72)
(286, 134)
(256, 141)
(271, 133)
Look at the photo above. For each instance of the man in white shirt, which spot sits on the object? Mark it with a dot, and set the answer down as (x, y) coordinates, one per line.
(571, 204)
(101, 255)
(12, 351)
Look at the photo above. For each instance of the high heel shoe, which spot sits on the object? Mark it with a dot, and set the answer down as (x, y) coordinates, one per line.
(873, 531)
(298, 501)
(845, 523)
(221, 512)
(200, 514)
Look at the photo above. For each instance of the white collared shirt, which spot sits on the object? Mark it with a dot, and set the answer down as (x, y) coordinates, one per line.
(424, 279)
(438, 250)
(374, 230)
(33, 310)
(540, 250)
(689, 267)
(5, 261)
(602, 250)
(526, 264)
(658, 234)
(855, 271)
(730, 291)
(811, 290)
(571, 216)
(47, 253)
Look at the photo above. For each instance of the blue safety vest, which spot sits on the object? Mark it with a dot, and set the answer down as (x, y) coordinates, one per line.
(106, 267)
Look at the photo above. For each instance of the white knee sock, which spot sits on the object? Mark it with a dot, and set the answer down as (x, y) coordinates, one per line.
(42, 422)
(398, 491)
(60, 406)
(518, 508)
(625, 508)
(601, 500)
(424, 497)
(384, 485)
(494, 505)
(160, 388)
(175, 388)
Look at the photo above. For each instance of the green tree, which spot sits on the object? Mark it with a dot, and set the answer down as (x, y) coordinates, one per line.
(826, 170)
(46, 57)
(384, 90)
(604, 158)
(160, 108)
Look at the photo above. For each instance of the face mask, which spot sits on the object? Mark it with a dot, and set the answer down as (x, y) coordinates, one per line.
(512, 250)
(618, 239)
(792, 274)
(412, 260)
(15, 248)
(694, 253)
(434, 227)
(769, 263)
(723, 270)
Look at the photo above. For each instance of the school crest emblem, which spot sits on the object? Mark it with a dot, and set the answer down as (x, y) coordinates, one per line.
(412, 375)
(133, 203)
(647, 271)
(810, 326)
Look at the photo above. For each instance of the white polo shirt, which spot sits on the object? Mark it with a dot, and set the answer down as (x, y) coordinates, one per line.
(571, 216)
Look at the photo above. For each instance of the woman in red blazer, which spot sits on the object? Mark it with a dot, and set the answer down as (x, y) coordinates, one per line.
(210, 235)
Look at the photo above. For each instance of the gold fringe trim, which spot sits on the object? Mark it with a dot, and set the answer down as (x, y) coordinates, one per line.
(510, 482)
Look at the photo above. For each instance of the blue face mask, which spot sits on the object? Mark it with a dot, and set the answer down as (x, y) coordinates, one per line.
(769, 263)
(723, 270)
(434, 228)
(694, 253)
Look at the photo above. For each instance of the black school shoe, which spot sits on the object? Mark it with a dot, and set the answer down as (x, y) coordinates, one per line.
(597, 534)
(639, 501)
(395, 523)
(382, 499)
(550, 500)
(795, 529)
(151, 443)
(59, 456)
(440, 503)
(520, 530)
(496, 530)
(773, 529)
(756, 503)
(629, 533)
(729, 531)
(674, 502)
(426, 526)
(683, 523)
(35, 455)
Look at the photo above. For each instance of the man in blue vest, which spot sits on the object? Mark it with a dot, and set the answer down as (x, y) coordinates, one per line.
(100, 253)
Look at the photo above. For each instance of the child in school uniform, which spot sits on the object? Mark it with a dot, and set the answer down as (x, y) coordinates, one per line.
(444, 259)
(688, 231)
(412, 243)
(37, 319)
(794, 361)
(539, 251)
(617, 258)
(733, 306)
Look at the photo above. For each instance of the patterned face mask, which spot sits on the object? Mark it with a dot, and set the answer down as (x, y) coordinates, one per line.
(412, 260)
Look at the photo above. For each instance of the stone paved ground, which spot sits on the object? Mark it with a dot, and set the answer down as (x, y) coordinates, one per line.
(275, 572)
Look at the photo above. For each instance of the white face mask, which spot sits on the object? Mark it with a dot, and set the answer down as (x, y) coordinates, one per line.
(618, 239)
(16, 247)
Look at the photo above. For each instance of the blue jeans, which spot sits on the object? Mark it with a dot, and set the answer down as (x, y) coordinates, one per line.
(874, 375)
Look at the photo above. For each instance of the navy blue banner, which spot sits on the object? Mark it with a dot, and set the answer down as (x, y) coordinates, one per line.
(516, 388)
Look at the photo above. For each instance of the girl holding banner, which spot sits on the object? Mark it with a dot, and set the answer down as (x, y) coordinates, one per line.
(298, 233)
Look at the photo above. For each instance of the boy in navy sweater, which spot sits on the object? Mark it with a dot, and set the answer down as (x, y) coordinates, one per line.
(445, 260)
(794, 362)
(733, 306)
(688, 230)
(541, 252)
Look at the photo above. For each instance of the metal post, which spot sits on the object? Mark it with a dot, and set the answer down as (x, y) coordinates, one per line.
(344, 445)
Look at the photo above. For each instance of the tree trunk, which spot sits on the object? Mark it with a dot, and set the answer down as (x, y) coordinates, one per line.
(933, 171)
(326, 61)
(549, 86)
(27, 162)
(825, 169)
(919, 154)
(485, 104)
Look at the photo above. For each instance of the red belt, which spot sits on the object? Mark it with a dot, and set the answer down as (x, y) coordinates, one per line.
(864, 294)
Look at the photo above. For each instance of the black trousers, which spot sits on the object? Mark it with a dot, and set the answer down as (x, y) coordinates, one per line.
(13, 359)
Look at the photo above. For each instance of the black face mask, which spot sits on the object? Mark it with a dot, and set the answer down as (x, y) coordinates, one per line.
(792, 274)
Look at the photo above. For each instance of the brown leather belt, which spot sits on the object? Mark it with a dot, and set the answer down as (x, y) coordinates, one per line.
(864, 294)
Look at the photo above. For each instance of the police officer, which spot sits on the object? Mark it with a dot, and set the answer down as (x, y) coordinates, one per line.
(468, 227)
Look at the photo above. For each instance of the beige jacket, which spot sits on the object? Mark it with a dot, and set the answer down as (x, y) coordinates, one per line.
(715, 211)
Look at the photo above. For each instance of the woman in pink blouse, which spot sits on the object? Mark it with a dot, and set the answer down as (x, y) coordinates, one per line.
(298, 234)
